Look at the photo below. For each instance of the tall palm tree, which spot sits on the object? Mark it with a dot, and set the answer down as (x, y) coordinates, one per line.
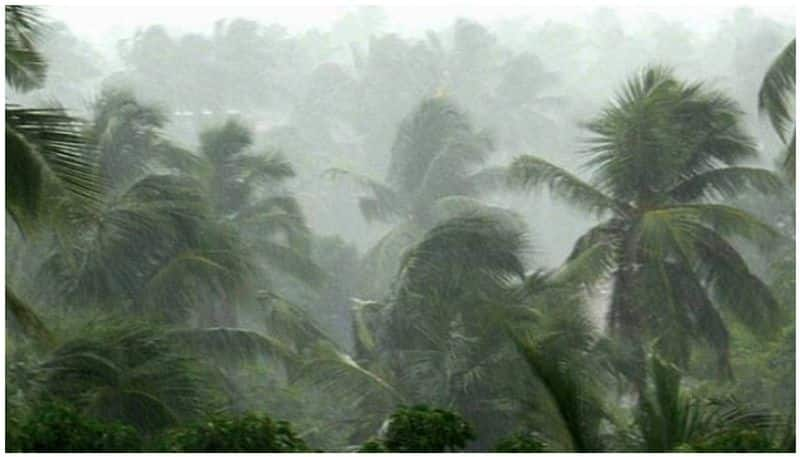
(775, 99)
(434, 173)
(247, 195)
(662, 155)
(442, 337)
(45, 149)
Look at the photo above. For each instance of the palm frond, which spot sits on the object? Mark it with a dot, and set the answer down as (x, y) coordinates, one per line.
(461, 247)
(25, 66)
(45, 143)
(777, 90)
(789, 160)
(383, 205)
(726, 183)
(556, 357)
(727, 221)
(23, 317)
(531, 172)
(292, 262)
(226, 344)
(733, 285)
(434, 128)
(125, 371)
(593, 256)
(290, 323)
(333, 371)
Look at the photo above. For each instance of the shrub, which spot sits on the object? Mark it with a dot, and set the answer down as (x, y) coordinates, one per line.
(740, 440)
(247, 433)
(55, 426)
(423, 429)
(520, 442)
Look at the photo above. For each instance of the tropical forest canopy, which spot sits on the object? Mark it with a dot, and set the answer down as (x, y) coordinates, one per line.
(520, 236)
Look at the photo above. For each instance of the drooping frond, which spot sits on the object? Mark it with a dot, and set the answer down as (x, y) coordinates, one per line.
(733, 285)
(777, 91)
(272, 167)
(128, 372)
(227, 344)
(789, 160)
(462, 247)
(42, 144)
(25, 65)
(20, 315)
(191, 280)
(292, 262)
(726, 183)
(223, 142)
(153, 221)
(556, 354)
(364, 316)
(289, 322)
(383, 205)
(434, 129)
(531, 172)
(336, 372)
(381, 263)
(593, 256)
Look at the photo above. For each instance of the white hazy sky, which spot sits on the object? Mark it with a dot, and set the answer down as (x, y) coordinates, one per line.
(96, 22)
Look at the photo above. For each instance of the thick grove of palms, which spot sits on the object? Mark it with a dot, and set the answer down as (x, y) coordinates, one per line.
(663, 156)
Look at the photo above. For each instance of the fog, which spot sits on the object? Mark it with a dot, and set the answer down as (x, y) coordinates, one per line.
(385, 193)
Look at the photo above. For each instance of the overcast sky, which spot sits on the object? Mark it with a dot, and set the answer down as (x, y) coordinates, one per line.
(98, 22)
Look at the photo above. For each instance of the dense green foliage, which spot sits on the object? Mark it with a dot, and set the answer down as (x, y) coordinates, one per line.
(57, 427)
(520, 442)
(181, 276)
(250, 433)
(422, 429)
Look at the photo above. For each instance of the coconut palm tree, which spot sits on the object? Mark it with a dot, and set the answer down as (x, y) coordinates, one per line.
(434, 173)
(441, 338)
(775, 98)
(46, 152)
(662, 155)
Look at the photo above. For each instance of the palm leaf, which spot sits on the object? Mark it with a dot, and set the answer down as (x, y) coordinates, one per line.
(333, 371)
(530, 172)
(777, 89)
(25, 65)
(26, 319)
(44, 143)
(383, 205)
(226, 344)
(727, 183)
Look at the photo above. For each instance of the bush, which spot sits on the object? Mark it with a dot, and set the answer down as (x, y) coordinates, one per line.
(247, 433)
(739, 440)
(423, 429)
(520, 442)
(59, 427)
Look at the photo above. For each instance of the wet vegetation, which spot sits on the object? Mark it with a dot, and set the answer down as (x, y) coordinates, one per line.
(513, 238)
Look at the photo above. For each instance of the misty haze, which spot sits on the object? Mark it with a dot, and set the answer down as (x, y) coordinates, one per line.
(389, 229)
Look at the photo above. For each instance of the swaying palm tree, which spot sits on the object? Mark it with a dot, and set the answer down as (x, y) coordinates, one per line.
(434, 173)
(442, 337)
(662, 155)
(45, 149)
(775, 98)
